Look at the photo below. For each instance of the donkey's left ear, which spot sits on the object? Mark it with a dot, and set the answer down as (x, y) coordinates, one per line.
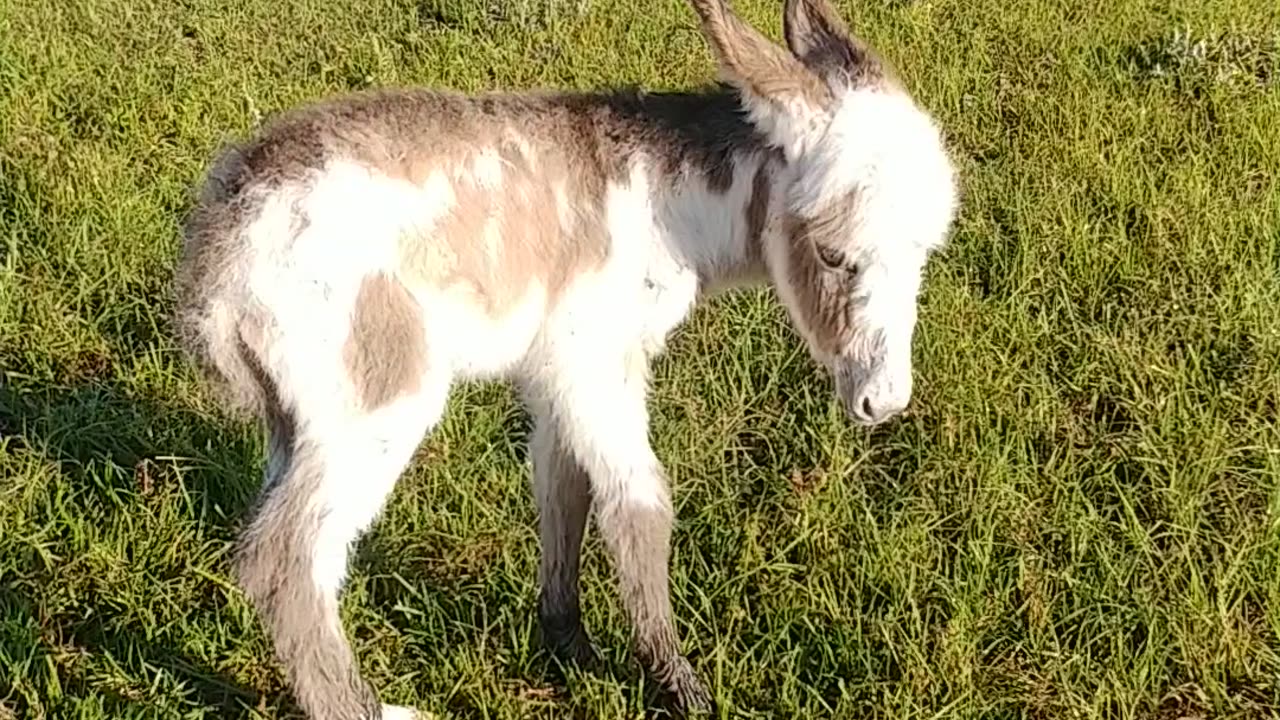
(820, 40)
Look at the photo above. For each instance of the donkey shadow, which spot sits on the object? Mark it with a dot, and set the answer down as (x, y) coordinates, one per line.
(105, 439)
(107, 424)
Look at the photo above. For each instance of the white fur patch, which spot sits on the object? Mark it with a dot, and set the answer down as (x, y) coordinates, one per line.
(594, 349)
(486, 169)
(881, 145)
(564, 210)
(363, 459)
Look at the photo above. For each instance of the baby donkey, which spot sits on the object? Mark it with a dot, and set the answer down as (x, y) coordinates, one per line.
(347, 266)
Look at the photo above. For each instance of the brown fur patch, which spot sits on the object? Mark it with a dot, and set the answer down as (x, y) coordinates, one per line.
(757, 212)
(824, 295)
(496, 241)
(385, 353)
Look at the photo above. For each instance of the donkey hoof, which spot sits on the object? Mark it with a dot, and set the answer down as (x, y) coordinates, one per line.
(690, 696)
(574, 649)
(581, 652)
(568, 641)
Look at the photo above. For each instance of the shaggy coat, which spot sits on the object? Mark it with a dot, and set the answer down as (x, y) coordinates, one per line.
(347, 266)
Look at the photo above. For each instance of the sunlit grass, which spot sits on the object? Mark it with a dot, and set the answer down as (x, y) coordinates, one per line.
(1079, 516)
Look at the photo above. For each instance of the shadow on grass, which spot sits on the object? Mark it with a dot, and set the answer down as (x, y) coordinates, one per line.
(105, 440)
(57, 639)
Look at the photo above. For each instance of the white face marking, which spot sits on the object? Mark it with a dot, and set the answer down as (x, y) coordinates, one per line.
(892, 201)
(904, 177)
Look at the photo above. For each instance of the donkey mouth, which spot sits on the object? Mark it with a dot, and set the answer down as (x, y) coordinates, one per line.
(867, 399)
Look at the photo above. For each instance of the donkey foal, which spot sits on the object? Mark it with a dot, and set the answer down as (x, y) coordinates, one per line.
(347, 266)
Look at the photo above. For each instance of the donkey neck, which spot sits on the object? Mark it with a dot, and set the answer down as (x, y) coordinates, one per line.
(711, 178)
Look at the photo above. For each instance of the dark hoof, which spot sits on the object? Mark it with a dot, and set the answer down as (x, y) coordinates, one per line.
(565, 638)
(576, 650)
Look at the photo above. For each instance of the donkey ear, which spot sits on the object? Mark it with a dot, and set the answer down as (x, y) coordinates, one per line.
(784, 98)
(820, 40)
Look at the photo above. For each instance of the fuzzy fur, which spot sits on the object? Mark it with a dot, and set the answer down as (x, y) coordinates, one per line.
(347, 266)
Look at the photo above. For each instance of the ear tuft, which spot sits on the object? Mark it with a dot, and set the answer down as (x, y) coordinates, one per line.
(820, 40)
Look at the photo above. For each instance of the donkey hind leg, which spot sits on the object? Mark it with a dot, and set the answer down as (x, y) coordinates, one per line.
(325, 486)
(563, 498)
(601, 410)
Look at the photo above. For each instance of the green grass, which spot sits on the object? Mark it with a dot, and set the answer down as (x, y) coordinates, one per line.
(1079, 516)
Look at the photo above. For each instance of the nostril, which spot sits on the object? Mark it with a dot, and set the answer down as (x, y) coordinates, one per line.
(867, 409)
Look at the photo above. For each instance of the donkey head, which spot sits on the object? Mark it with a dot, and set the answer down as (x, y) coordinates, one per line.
(867, 190)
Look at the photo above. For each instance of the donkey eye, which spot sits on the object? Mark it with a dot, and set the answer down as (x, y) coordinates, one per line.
(833, 259)
(836, 260)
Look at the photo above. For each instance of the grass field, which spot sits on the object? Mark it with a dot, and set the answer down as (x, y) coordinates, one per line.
(1079, 516)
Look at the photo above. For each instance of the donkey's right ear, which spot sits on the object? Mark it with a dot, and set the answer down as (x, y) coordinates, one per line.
(821, 41)
(786, 100)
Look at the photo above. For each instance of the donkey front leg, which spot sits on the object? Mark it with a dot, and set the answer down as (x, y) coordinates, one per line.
(637, 531)
(603, 417)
